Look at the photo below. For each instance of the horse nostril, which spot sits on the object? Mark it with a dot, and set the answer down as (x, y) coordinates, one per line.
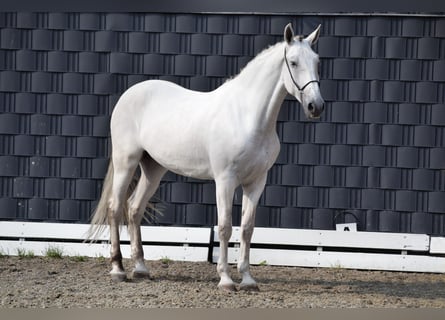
(310, 107)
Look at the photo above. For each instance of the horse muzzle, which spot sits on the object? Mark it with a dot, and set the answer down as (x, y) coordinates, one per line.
(315, 110)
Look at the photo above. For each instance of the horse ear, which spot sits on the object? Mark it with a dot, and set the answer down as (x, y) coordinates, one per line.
(313, 37)
(288, 33)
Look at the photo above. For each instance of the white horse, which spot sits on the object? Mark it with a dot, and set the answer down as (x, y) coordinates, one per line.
(228, 135)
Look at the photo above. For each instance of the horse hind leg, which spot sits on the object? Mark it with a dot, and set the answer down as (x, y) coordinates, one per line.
(151, 175)
(124, 168)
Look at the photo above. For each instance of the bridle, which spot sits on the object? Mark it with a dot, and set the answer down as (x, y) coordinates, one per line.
(300, 89)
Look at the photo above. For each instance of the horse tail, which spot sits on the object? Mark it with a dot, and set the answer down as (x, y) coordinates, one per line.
(100, 214)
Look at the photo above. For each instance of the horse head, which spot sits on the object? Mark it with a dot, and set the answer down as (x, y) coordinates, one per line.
(300, 71)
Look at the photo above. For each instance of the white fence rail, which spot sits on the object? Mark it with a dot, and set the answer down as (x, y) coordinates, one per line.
(182, 244)
(285, 247)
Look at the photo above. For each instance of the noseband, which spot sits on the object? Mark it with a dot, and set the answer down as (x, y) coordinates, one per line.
(301, 89)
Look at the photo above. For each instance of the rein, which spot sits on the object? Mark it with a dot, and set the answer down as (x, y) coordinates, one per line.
(301, 89)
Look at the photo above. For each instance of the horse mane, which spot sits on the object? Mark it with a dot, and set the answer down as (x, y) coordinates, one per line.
(257, 60)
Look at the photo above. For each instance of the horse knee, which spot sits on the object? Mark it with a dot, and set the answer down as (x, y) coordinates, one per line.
(134, 215)
(225, 231)
(247, 230)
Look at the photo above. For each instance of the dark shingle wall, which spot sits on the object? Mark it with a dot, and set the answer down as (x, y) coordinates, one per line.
(378, 149)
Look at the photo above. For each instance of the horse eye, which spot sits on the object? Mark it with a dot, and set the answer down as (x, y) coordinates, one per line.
(293, 64)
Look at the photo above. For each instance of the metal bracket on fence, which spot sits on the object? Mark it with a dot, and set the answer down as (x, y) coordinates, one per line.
(352, 226)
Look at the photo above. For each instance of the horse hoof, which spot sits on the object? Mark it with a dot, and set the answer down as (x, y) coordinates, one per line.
(118, 277)
(249, 287)
(227, 287)
(140, 275)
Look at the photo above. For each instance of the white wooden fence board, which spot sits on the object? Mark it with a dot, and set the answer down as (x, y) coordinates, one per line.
(349, 260)
(437, 245)
(39, 248)
(332, 238)
(79, 231)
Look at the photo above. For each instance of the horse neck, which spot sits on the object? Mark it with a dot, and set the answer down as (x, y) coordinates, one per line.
(261, 89)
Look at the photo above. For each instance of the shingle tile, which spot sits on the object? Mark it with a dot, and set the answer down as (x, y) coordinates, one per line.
(341, 111)
(185, 65)
(435, 202)
(422, 222)
(58, 61)
(340, 155)
(201, 44)
(291, 217)
(357, 134)
(120, 63)
(275, 196)
(392, 135)
(155, 23)
(374, 156)
(232, 45)
(87, 147)
(69, 210)
(70, 167)
(85, 189)
(425, 136)
(394, 91)
(389, 221)
(423, 179)
(356, 177)
(196, 214)
(105, 41)
(409, 113)
(38, 209)
(377, 69)
(372, 199)
(153, 64)
(170, 43)
(343, 69)
(410, 70)
(118, 22)
(339, 198)
(9, 166)
(329, 46)
(396, 48)
(9, 208)
(378, 26)
(9, 123)
(360, 47)
(308, 153)
(42, 39)
(322, 219)
(54, 188)
(391, 178)
(407, 157)
(291, 175)
(25, 102)
(41, 82)
(26, 60)
(428, 48)
(307, 197)
(427, 92)
(217, 24)
(73, 40)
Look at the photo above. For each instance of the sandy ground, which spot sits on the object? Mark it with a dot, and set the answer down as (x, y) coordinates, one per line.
(70, 282)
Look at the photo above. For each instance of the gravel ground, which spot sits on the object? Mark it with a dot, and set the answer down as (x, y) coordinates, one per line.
(69, 282)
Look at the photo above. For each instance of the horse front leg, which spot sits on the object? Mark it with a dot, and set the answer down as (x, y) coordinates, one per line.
(225, 189)
(251, 196)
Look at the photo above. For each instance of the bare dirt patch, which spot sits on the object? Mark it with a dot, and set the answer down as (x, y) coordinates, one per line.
(70, 282)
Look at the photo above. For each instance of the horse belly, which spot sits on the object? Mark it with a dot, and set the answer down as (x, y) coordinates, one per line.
(176, 140)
